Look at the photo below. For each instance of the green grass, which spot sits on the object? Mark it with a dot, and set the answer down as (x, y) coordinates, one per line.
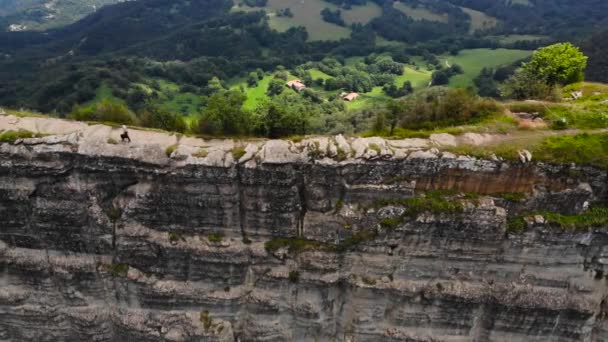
(169, 150)
(12, 136)
(22, 113)
(594, 217)
(255, 94)
(316, 74)
(104, 92)
(421, 13)
(479, 20)
(591, 218)
(516, 225)
(473, 60)
(376, 97)
(419, 78)
(513, 196)
(436, 202)
(361, 14)
(513, 38)
(238, 153)
(308, 14)
(582, 149)
(216, 237)
(118, 270)
(187, 104)
(294, 245)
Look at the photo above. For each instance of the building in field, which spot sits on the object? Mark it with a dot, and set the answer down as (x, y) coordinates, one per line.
(296, 85)
(350, 97)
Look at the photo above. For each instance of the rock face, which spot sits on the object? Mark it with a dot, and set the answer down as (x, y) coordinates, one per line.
(292, 242)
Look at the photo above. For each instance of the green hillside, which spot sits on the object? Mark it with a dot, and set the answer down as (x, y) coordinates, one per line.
(308, 14)
(472, 61)
(16, 15)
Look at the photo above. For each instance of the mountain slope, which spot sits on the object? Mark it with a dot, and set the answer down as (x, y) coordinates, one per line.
(597, 50)
(19, 15)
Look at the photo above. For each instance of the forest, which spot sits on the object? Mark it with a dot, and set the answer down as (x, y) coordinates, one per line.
(186, 65)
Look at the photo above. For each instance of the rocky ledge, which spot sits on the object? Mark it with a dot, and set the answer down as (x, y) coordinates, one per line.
(172, 238)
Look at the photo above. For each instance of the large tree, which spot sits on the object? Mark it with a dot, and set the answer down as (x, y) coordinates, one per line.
(557, 64)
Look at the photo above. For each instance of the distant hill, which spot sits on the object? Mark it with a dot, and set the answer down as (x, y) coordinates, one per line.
(139, 51)
(20, 15)
(596, 48)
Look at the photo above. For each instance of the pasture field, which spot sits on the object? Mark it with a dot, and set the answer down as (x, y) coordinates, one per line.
(420, 78)
(479, 20)
(421, 13)
(513, 38)
(307, 13)
(473, 60)
(361, 14)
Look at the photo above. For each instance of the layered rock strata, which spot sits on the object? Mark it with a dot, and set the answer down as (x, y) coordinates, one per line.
(327, 239)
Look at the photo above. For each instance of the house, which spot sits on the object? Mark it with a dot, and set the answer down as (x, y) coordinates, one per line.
(296, 85)
(350, 97)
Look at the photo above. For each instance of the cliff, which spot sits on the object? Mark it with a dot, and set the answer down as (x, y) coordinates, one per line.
(328, 239)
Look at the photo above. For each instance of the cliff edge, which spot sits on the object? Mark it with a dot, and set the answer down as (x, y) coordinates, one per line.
(172, 238)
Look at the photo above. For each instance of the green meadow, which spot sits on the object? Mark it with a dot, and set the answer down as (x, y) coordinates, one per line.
(472, 61)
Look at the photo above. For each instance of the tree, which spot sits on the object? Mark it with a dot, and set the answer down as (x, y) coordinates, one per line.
(163, 119)
(215, 85)
(252, 79)
(395, 112)
(275, 87)
(224, 115)
(558, 64)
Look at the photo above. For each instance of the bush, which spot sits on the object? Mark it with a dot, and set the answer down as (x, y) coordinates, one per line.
(594, 217)
(216, 237)
(169, 151)
(156, 118)
(445, 107)
(201, 154)
(105, 111)
(118, 270)
(294, 276)
(12, 136)
(582, 149)
(238, 153)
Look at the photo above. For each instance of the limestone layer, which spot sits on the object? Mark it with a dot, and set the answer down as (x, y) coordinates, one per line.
(310, 241)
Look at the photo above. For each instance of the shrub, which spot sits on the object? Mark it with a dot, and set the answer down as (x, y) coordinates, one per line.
(169, 151)
(516, 225)
(105, 111)
(157, 118)
(582, 149)
(12, 136)
(294, 245)
(238, 153)
(391, 223)
(118, 270)
(114, 214)
(341, 155)
(594, 217)
(375, 147)
(513, 196)
(368, 280)
(174, 237)
(215, 237)
(112, 141)
(206, 319)
(201, 154)
(339, 205)
(294, 276)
